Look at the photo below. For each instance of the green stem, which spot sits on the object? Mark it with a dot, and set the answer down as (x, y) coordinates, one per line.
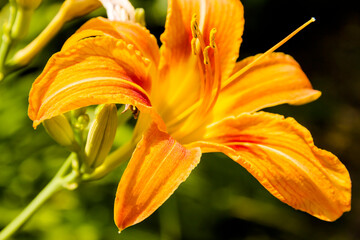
(25, 55)
(57, 183)
(6, 38)
(21, 24)
(116, 158)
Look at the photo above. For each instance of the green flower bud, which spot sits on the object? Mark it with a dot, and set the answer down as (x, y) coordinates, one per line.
(60, 130)
(28, 4)
(76, 8)
(81, 122)
(140, 16)
(101, 135)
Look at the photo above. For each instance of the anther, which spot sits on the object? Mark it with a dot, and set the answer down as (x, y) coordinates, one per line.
(206, 55)
(212, 38)
(194, 26)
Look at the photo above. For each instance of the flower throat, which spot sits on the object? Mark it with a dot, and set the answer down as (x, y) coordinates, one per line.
(211, 83)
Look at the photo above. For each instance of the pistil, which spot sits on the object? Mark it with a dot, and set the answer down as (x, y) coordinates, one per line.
(233, 78)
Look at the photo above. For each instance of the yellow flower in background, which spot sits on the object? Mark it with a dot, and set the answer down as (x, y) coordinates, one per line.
(193, 98)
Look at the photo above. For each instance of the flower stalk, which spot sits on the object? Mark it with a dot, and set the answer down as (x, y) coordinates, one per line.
(62, 179)
(112, 161)
(69, 10)
(6, 38)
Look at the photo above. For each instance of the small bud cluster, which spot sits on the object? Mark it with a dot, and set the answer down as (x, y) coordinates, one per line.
(90, 140)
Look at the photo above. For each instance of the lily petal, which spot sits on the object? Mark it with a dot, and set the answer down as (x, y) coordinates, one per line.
(274, 80)
(156, 169)
(281, 155)
(131, 33)
(95, 71)
(177, 36)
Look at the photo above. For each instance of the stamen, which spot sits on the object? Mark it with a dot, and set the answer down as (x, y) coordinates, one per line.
(212, 37)
(217, 72)
(247, 67)
(193, 45)
(194, 26)
(202, 105)
(206, 55)
(195, 31)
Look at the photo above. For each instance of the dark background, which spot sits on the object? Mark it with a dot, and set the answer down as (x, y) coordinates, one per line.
(220, 200)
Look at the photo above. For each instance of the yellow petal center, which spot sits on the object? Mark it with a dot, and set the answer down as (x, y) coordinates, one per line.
(208, 64)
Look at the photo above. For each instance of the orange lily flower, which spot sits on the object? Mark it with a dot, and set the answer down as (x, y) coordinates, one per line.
(194, 98)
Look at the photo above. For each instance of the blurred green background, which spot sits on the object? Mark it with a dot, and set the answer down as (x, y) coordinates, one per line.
(220, 200)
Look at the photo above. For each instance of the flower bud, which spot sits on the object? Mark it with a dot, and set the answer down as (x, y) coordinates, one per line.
(81, 122)
(28, 4)
(60, 130)
(140, 16)
(76, 8)
(101, 135)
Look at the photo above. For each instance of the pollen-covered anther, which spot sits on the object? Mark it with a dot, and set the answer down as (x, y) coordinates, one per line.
(212, 38)
(194, 26)
(195, 33)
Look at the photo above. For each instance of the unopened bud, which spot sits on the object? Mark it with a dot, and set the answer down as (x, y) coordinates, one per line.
(77, 8)
(140, 16)
(81, 122)
(101, 135)
(60, 130)
(28, 4)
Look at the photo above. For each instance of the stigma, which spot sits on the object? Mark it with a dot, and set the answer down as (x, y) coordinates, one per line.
(268, 52)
